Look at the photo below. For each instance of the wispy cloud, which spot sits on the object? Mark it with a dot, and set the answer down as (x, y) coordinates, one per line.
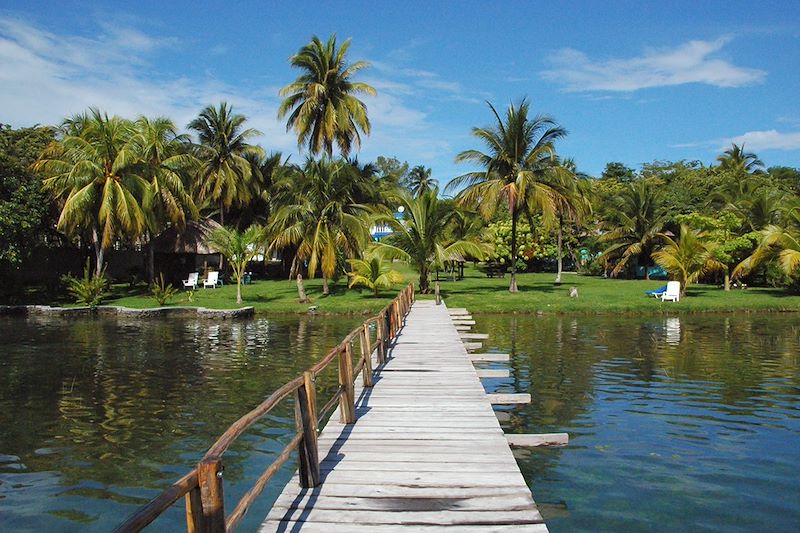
(690, 62)
(766, 140)
(757, 141)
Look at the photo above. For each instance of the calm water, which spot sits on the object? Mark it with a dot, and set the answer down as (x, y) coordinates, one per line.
(689, 424)
(96, 416)
(676, 424)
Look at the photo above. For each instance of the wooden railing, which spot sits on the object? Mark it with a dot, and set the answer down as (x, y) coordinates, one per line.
(202, 488)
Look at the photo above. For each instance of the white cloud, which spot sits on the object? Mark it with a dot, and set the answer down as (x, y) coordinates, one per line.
(48, 76)
(765, 140)
(691, 62)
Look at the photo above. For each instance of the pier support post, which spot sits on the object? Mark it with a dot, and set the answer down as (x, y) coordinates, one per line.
(209, 477)
(347, 402)
(366, 353)
(305, 416)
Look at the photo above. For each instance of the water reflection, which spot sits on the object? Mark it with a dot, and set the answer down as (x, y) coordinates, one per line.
(675, 423)
(98, 415)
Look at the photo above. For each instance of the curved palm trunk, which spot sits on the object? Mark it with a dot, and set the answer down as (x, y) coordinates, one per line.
(727, 280)
(423, 280)
(560, 253)
(301, 290)
(222, 223)
(326, 290)
(513, 286)
(239, 290)
(99, 252)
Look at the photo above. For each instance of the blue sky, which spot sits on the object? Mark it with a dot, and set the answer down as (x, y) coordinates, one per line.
(631, 81)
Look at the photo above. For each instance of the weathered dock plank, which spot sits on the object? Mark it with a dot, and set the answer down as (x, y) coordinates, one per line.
(426, 452)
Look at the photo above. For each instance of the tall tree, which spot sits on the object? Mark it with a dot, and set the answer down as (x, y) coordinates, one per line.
(25, 211)
(224, 172)
(168, 165)
(520, 158)
(94, 171)
(321, 103)
(419, 180)
(737, 160)
(573, 202)
(639, 218)
(420, 237)
(319, 215)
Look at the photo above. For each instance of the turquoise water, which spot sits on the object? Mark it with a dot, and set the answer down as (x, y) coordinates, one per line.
(675, 424)
(97, 416)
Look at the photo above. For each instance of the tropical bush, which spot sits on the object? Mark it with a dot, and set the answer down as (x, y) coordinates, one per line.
(162, 292)
(374, 273)
(89, 289)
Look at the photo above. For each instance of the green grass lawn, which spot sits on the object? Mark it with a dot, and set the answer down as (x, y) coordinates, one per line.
(537, 293)
(477, 293)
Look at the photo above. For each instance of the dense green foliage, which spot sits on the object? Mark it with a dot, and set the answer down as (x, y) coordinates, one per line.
(89, 289)
(115, 182)
(25, 213)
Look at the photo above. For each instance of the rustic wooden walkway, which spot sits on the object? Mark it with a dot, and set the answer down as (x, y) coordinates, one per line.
(426, 453)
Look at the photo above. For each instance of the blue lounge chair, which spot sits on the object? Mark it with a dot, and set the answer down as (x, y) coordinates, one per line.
(657, 292)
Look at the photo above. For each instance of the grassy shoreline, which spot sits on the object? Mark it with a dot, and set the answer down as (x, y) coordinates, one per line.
(479, 294)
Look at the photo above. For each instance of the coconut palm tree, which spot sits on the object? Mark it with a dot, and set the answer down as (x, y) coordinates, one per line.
(94, 171)
(239, 247)
(168, 165)
(318, 214)
(516, 168)
(321, 103)
(419, 180)
(638, 218)
(373, 272)
(224, 171)
(781, 242)
(687, 258)
(420, 238)
(572, 204)
(739, 161)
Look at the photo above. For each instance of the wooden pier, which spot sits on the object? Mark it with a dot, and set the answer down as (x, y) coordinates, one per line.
(426, 450)
(416, 444)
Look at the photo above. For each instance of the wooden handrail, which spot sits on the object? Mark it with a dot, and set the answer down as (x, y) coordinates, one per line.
(203, 486)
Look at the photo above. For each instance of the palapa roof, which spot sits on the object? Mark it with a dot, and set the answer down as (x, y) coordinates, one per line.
(190, 241)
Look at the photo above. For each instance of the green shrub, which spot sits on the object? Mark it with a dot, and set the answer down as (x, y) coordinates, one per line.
(90, 289)
(162, 292)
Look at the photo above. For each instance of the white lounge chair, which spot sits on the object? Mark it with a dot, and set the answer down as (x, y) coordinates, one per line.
(191, 283)
(211, 280)
(673, 292)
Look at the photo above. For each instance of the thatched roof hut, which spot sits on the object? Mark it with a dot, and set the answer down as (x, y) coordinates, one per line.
(192, 240)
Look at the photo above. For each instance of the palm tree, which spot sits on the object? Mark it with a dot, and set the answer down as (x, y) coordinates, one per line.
(638, 218)
(321, 103)
(420, 237)
(739, 161)
(239, 247)
(419, 180)
(224, 171)
(521, 156)
(318, 213)
(94, 170)
(781, 242)
(373, 272)
(167, 164)
(573, 202)
(687, 258)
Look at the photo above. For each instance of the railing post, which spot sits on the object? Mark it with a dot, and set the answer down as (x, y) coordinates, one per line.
(379, 339)
(305, 415)
(366, 353)
(194, 511)
(209, 477)
(347, 407)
